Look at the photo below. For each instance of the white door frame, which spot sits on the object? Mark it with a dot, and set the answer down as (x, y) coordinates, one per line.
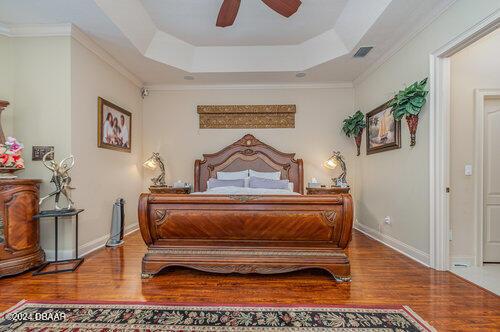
(480, 95)
(439, 137)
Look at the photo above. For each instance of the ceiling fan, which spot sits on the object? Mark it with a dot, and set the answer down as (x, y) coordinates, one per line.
(229, 9)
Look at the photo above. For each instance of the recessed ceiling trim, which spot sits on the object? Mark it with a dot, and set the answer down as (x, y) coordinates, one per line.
(277, 86)
(163, 47)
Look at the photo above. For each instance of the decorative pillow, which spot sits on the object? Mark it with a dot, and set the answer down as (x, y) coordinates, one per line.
(232, 175)
(215, 183)
(268, 184)
(266, 175)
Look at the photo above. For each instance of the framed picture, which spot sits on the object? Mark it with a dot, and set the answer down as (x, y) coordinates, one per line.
(114, 126)
(383, 133)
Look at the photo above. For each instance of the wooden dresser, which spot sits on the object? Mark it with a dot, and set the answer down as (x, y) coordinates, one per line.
(19, 233)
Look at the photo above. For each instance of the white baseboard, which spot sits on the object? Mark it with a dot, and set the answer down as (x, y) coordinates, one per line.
(462, 260)
(88, 247)
(407, 250)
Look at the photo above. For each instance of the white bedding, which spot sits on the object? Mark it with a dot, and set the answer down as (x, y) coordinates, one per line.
(245, 191)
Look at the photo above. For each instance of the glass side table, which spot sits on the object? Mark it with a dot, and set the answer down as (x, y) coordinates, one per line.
(58, 266)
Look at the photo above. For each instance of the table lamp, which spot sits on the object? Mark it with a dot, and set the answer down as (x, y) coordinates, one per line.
(335, 160)
(153, 163)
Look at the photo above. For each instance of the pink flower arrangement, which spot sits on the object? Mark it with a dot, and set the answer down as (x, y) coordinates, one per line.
(10, 154)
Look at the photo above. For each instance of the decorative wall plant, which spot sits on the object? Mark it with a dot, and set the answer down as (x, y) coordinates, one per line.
(408, 103)
(353, 127)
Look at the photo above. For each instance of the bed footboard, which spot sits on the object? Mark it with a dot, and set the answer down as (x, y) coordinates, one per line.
(246, 234)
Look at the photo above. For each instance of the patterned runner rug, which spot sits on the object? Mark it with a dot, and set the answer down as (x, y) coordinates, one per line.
(110, 316)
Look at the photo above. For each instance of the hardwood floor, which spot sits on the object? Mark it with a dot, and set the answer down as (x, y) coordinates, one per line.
(380, 276)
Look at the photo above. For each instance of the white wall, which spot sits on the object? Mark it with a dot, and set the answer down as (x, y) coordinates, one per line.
(101, 175)
(171, 127)
(475, 67)
(396, 183)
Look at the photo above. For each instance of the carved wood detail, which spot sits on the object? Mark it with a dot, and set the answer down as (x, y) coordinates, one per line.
(246, 269)
(218, 233)
(247, 116)
(255, 155)
(244, 198)
(18, 204)
(330, 217)
(160, 216)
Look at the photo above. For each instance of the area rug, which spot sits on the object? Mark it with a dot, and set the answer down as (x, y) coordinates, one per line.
(111, 316)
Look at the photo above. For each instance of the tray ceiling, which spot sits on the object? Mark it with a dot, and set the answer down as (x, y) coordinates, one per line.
(161, 41)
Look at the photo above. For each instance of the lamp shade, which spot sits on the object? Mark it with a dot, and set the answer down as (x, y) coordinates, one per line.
(331, 163)
(151, 163)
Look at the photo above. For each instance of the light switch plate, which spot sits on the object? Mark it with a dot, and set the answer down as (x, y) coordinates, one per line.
(39, 151)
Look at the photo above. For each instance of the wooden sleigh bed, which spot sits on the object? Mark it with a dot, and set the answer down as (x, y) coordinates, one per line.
(247, 233)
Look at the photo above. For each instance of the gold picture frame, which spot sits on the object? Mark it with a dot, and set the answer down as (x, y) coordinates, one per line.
(114, 130)
(383, 132)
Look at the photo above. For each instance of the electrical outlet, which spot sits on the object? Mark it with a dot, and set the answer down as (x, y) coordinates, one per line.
(468, 170)
(387, 220)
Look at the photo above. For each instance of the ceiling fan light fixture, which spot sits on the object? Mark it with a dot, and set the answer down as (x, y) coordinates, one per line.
(229, 10)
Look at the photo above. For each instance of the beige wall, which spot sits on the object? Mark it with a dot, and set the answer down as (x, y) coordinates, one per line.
(102, 175)
(6, 85)
(396, 183)
(171, 127)
(475, 67)
(53, 84)
(42, 103)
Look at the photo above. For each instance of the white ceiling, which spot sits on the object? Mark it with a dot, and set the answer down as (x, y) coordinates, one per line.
(394, 24)
(256, 24)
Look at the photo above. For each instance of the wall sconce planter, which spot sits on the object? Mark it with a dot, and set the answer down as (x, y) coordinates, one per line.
(408, 103)
(412, 121)
(354, 126)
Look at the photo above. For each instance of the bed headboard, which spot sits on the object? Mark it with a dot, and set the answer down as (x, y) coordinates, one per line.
(249, 153)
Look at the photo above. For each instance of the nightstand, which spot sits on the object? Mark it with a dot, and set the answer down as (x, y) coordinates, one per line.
(169, 190)
(327, 190)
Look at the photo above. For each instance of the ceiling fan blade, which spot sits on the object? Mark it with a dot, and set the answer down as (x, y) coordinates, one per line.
(284, 7)
(228, 12)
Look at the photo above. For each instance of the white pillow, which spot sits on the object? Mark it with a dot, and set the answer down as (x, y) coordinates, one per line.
(266, 175)
(247, 181)
(290, 186)
(232, 175)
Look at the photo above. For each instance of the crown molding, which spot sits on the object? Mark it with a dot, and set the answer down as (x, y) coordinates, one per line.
(418, 28)
(330, 85)
(68, 30)
(92, 46)
(35, 30)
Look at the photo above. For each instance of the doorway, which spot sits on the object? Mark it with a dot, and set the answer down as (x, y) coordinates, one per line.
(439, 147)
(474, 163)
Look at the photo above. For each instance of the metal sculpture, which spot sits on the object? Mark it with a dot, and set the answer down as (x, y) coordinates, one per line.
(60, 178)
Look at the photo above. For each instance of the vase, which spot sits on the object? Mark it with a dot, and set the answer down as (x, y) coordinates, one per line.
(412, 125)
(358, 141)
